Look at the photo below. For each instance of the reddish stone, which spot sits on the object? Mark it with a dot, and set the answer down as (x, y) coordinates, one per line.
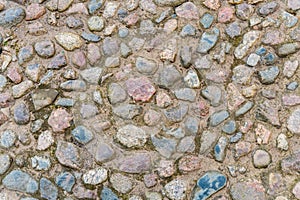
(187, 10)
(290, 100)
(14, 75)
(225, 14)
(59, 120)
(163, 100)
(150, 180)
(3, 118)
(34, 11)
(79, 59)
(5, 100)
(212, 4)
(189, 163)
(93, 53)
(140, 89)
(131, 19)
(78, 8)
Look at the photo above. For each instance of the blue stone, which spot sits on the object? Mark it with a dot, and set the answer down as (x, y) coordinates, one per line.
(123, 32)
(229, 127)
(7, 139)
(220, 149)
(65, 180)
(207, 20)
(65, 102)
(188, 30)
(208, 40)
(20, 181)
(292, 86)
(94, 5)
(261, 51)
(235, 138)
(11, 17)
(122, 13)
(108, 194)
(48, 189)
(269, 59)
(218, 117)
(210, 183)
(244, 108)
(268, 75)
(82, 134)
(90, 37)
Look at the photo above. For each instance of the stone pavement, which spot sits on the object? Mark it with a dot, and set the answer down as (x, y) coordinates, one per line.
(149, 99)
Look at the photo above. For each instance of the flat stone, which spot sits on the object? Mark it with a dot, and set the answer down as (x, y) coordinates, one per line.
(80, 192)
(127, 111)
(291, 164)
(88, 111)
(140, 89)
(287, 49)
(110, 46)
(218, 117)
(92, 75)
(176, 189)
(79, 59)
(94, 6)
(268, 8)
(293, 4)
(206, 20)
(169, 76)
(225, 14)
(77, 8)
(177, 113)
(68, 154)
(69, 41)
(168, 2)
(7, 138)
(192, 79)
(14, 74)
(65, 102)
(131, 136)
(293, 122)
(34, 11)
(43, 97)
(45, 140)
(188, 30)
(290, 68)
(73, 85)
(63, 5)
(246, 107)
(189, 163)
(58, 61)
(208, 40)
(148, 6)
(116, 93)
(261, 158)
(247, 191)
(135, 163)
(40, 162)
(82, 134)
(95, 23)
(108, 194)
(282, 142)
(186, 94)
(166, 168)
(59, 120)
(233, 30)
(95, 176)
(212, 4)
(5, 162)
(213, 94)
(210, 183)
(121, 183)
(145, 66)
(25, 54)
(102, 152)
(187, 10)
(74, 23)
(269, 75)
(220, 149)
(20, 181)
(48, 190)
(65, 180)
(110, 9)
(187, 145)
(165, 146)
(296, 190)
(3, 82)
(12, 17)
(20, 89)
(249, 39)
(147, 27)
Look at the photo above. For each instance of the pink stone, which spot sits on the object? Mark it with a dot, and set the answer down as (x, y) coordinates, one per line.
(163, 100)
(189, 163)
(152, 117)
(187, 10)
(5, 100)
(166, 168)
(59, 120)
(140, 89)
(262, 134)
(212, 4)
(246, 126)
(170, 26)
(201, 108)
(290, 100)
(225, 14)
(242, 148)
(78, 8)
(14, 75)
(150, 180)
(234, 97)
(79, 59)
(273, 37)
(36, 29)
(34, 11)
(93, 53)
(3, 118)
(131, 19)
(296, 190)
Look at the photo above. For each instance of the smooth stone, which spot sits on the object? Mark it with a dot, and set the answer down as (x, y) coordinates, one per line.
(45, 140)
(65, 102)
(21, 114)
(25, 54)
(40, 162)
(253, 60)
(140, 89)
(58, 61)
(229, 127)
(92, 75)
(177, 113)
(116, 93)
(7, 138)
(5, 162)
(20, 89)
(73, 85)
(165, 146)
(74, 23)
(244, 108)
(261, 158)
(268, 75)
(95, 23)
(176, 189)
(220, 149)
(69, 41)
(191, 125)
(65, 180)
(247, 191)
(218, 117)
(293, 122)
(94, 6)
(102, 152)
(20, 181)
(145, 66)
(121, 183)
(43, 97)
(45, 49)
(208, 184)
(207, 20)
(186, 94)
(236, 137)
(292, 86)
(127, 111)
(188, 30)
(82, 134)
(191, 79)
(12, 17)
(135, 163)
(268, 8)
(169, 76)
(48, 190)
(213, 94)
(233, 30)
(168, 2)
(287, 49)
(90, 37)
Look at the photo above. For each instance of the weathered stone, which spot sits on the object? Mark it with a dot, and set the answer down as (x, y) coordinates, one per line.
(34, 11)
(145, 66)
(127, 111)
(40, 162)
(208, 40)
(43, 97)
(116, 93)
(95, 176)
(247, 191)
(218, 117)
(135, 163)
(5, 162)
(12, 17)
(140, 89)
(261, 158)
(165, 146)
(48, 190)
(65, 180)
(121, 183)
(69, 41)
(59, 120)
(177, 113)
(92, 75)
(187, 10)
(176, 189)
(131, 136)
(189, 163)
(68, 154)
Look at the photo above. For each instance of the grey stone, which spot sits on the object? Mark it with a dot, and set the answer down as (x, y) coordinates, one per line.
(220, 149)
(12, 17)
(73, 85)
(21, 114)
(127, 111)
(233, 30)
(213, 94)
(147, 27)
(7, 138)
(165, 146)
(5, 162)
(186, 94)
(65, 180)
(207, 20)
(176, 114)
(188, 30)
(145, 66)
(261, 158)
(287, 49)
(131, 136)
(191, 79)
(293, 122)
(95, 176)
(191, 125)
(22, 88)
(246, 107)
(65, 102)
(168, 2)
(121, 183)
(247, 191)
(125, 50)
(135, 163)
(88, 111)
(40, 162)
(95, 23)
(45, 48)
(207, 141)
(176, 189)
(110, 46)
(91, 37)
(169, 76)
(68, 154)
(43, 97)
(187, 144)
(229, 127)
(268, 8)
(92, 75)
(94, 6)
(186, 56)
(269, 75)
(116, 93)
(108, 194)
(74, 23)
(3, 82)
